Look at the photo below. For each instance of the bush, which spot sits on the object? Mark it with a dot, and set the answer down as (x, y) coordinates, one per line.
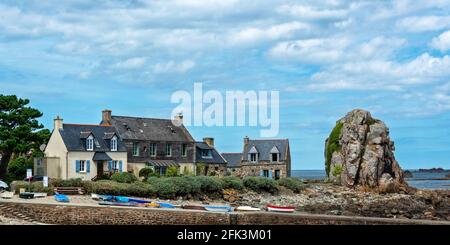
(34, 187)
(108, 187)
(232, 182)
(259, 184)
(172, 172)
(145, 172)
(76, 182)
(291, 183)
(124, 177)
(337, 170)
(332, 145)
(209, 184)
(17, 168)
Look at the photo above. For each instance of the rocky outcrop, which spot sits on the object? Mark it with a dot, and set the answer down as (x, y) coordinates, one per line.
(359, 152)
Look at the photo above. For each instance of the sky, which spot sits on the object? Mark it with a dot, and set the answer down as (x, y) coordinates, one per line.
(76, 58)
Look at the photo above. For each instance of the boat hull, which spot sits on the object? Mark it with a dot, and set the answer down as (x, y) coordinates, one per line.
(193, 207)
(247, 208)
(281, 209)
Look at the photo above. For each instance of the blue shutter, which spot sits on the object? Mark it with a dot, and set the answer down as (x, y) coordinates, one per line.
(88, 166)
(120, 166)
(261, 172)
(270, 173)
(77, 166)
(109, 165)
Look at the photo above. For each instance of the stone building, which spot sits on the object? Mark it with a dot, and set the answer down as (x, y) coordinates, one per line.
(261, 157)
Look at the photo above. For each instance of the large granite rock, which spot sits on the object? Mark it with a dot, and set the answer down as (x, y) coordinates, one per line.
(364, 155)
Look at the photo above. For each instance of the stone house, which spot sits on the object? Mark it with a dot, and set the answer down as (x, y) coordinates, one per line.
(208, 160)
(261, 157)
(81, 151)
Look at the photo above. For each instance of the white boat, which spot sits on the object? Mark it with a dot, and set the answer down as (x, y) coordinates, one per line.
(281, 209)
(96, 197)
(247, 208)
(39, 194)
(7, 195)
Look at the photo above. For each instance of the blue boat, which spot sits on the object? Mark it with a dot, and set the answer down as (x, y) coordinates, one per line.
(138, 200)
(120, 204)
(61, 198)
(224, 208)
(165, 205)
(121, 199)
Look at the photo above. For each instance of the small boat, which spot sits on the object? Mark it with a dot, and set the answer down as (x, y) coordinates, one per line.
(26, 195)
(283, 209)
(7, 195)
(39, 194)
(224, 208)
(61, 198)
(247, 208)
(152, 205)
(121, 204)
(121, 199)
(139, 200)
(96, 197)
(165, 205)
(194, 207)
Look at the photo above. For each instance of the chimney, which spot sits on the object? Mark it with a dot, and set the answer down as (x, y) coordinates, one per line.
(58, 123)
(178, 119)
(246, 139)
(209, 141)
(106, 117)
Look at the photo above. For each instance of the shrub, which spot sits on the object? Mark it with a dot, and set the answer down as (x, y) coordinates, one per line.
(291, 183)
(337, 170)
(108, 187)
(34, 187)
(209, 184)
(76, 182)
(145, 172)
(172, 172)
(17, 168)
(124, 177)
(232, 182)
(332, 145)
(259, 184)
(166, 188)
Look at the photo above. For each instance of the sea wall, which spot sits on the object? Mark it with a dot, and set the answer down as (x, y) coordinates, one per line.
(72, 214)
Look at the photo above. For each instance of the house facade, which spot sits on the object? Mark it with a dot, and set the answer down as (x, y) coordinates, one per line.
(261, 157)
(82, 151)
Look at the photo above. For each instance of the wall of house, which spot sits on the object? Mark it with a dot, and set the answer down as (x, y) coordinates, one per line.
(255, 169)
(187, 168)
(47, 166)
(56, 149)
(88, 155)
(211, 169)
(144, 147)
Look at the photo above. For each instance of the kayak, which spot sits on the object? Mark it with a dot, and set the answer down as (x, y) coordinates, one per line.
(121, 204)
(224, 208)
(61, 198)
(152, 205)
(121, 199)
(194, 207)
(283, 209)
(165, 205)
(247, 208)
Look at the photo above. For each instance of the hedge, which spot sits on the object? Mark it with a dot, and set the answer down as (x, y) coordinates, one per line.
(124, 177)
(232, 182)
(260, 184)
(295, 184)
(35, 187)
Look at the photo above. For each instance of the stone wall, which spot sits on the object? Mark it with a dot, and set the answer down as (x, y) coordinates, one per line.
(76, 214)
(254, 169)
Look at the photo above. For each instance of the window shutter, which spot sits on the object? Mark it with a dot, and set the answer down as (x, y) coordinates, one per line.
(120, 166)
(261, 172)
(109, 165)
(270, 173)
(77, 166)
(88, 166)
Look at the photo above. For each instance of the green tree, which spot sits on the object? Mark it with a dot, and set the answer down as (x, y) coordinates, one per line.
(19, 129)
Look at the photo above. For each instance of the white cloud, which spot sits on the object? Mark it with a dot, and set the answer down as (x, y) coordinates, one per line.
(423, 23)
(310, 12)
(131, 63)
(173, 67)
(442, 42)
(253, 34)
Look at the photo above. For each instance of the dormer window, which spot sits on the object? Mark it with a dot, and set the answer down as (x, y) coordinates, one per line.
(253, 154)
(206, 154)
(252, 157)
(90, 143)
(114, 143)
(274, 154)
(274, 157)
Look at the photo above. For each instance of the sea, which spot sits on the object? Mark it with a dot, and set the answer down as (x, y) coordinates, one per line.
(421, 180)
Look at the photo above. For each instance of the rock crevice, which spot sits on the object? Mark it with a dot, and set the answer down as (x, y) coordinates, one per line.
(365, 154)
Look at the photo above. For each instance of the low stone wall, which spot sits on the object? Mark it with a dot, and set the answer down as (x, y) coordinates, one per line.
(71, 214)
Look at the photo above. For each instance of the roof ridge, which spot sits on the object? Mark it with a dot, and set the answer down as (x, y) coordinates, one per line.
(153, 118)
(80, 124)
(269, 139)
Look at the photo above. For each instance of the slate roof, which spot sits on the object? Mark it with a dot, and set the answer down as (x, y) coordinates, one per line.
(74, 135)
(233, 159)
(101, 156)
(264, 146)
(155, 129)
(215, 159)
(163, 163)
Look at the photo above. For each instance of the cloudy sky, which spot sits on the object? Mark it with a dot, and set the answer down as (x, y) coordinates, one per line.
(75, 58)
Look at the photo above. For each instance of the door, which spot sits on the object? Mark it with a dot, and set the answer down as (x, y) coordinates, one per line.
(277, 174)
(99, 168)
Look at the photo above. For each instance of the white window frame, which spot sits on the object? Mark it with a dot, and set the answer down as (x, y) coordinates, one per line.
(256, 157)
(82, 166)
(90, 143)
(114, 143)
(135, 149)
(208, 154)
(115, 166)
(168, 149)
(152, 149)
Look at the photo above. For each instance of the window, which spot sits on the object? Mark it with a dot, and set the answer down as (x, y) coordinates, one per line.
(115, 166)
(266, 173)
(277, 174)
(161, 170)
(82, 166)
(206, 154)
(90, 143)
(252, 157)
(168, 149)
(274, 157)
(216, 168)
(152, 150)
(183, 150)
(135, 149)
(114, 143)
